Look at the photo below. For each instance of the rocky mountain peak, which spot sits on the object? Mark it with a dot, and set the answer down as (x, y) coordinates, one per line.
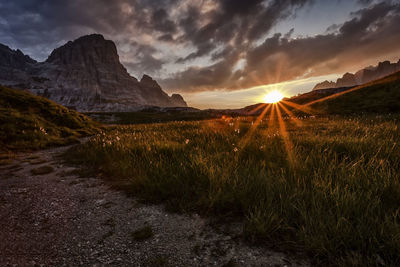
(178, 99)
(85, 51)
(84, 74)
(148, 81)
(325, 84)
(14, 58)
(347, 80)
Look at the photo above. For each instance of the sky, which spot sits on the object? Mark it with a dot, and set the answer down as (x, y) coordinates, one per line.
(217, 54)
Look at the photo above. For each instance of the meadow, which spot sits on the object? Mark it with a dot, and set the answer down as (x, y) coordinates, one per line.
(325, 186)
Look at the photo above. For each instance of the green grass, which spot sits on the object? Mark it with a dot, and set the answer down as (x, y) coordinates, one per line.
(330, 187)
(29, 122)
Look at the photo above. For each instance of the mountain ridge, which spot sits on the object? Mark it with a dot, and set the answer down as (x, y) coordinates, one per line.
(362, 76)
(84, 74)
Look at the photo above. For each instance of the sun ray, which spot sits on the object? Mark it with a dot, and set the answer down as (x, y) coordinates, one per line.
(285, 136)
(248, 135)
(302, 108)
(271, 120)
(251, 112)
(291, 115)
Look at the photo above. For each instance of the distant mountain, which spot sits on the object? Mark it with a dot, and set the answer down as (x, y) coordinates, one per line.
(362, 76)
(86, 75)
(379, 96)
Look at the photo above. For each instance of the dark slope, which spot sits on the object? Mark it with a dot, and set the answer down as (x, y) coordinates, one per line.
(316, 94)
(31, 122)
(380, 96)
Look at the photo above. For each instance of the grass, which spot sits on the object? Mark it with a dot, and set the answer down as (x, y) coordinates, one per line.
(151, 116)
(326, 186)
(29, 122)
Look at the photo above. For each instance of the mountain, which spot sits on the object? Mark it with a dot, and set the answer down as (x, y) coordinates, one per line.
(362, 76)
(86, 75)
(14, 65)
(32, 122)
(324, 85)
(316, 94)
(379, 96)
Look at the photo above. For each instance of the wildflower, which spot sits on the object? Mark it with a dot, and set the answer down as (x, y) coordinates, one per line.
(235, 149)
(42, 130)
(187, 141)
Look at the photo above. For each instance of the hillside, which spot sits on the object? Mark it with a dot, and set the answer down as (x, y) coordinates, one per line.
(362, 76)
(29, 122)
(316, 94)
(380, 96)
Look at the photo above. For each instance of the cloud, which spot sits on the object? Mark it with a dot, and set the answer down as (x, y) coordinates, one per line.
(208, 44)
(371, 33)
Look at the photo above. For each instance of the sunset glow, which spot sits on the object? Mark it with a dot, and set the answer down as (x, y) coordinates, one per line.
(273, 97)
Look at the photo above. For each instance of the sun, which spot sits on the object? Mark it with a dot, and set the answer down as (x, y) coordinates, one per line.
(273, 97)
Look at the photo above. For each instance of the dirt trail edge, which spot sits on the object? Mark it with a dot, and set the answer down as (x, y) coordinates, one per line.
(51, 217)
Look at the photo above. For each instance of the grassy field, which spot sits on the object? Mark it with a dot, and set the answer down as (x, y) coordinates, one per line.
(150, 116)
(326, 186)
(29, 122)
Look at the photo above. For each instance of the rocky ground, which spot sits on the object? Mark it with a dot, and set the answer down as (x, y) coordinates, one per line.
(49, 216)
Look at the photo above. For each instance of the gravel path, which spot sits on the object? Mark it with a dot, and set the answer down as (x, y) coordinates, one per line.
(58, 219)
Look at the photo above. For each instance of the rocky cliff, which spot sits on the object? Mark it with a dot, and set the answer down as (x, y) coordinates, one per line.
(362, 76)
(85, 74)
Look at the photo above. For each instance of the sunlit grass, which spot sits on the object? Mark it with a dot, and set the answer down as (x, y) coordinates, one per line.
(327, 186)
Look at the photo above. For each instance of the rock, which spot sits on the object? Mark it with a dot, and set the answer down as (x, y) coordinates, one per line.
(86, 75)
(325, 84)
(177, 98)
(347, 80)
(42, 170)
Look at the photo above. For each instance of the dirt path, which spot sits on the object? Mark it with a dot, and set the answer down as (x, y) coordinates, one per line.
(60, 219)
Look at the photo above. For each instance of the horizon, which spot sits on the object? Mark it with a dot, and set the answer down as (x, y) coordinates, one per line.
(287, 46)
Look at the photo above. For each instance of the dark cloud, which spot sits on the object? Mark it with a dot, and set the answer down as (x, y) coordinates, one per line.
(365, 2)
(145, 63)
(371, 33)
(161, 22)
(219, 34)
(241, 22)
